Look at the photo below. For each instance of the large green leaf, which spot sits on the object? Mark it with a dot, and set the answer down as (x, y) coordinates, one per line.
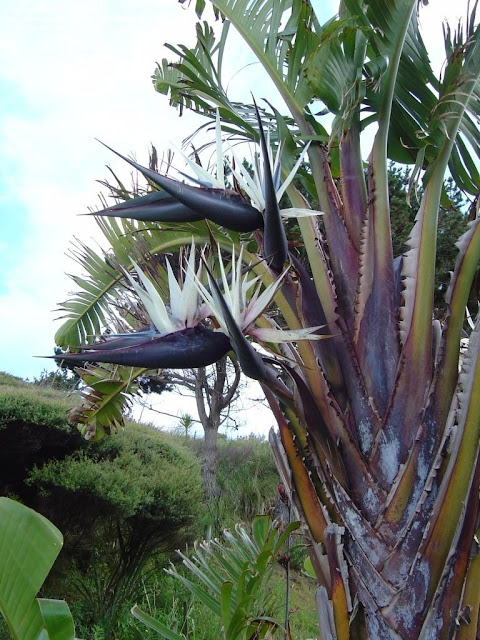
(194, 81)
(57, 618)
(86, 310)
(29, 545)
(270, 28)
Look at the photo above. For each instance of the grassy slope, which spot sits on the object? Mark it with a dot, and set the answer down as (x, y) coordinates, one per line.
(247, 481)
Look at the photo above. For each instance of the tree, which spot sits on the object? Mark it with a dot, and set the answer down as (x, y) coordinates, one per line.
(378, 430)
(214, 390)
(61, 378)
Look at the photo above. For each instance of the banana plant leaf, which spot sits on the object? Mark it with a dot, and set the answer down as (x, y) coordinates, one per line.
(29, 545)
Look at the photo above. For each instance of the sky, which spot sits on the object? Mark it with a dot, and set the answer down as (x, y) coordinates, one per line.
(70, 73)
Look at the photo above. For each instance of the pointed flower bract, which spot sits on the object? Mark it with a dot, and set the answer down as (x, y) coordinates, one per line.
(247, 309)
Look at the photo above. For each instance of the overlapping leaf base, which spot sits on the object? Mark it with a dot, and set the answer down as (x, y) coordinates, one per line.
(404, 553)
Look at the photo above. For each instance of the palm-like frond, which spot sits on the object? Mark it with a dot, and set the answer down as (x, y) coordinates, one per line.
(107, 395)
(269, 27)
(86, 311)
(200, 67)
(194, 81)
(229, 576)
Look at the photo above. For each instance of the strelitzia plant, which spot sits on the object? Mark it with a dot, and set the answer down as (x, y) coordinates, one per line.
(378, 430)
(175, 336)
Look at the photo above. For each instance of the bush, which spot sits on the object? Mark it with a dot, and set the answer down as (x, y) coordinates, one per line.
(247, 481)
(33, 430)
(247, 478)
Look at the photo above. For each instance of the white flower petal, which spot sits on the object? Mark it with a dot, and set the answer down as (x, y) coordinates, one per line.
(246, 286)
(153, 302)
(244, 179)
(190, 294)
(258, 177)
(292, 173)
(175, 293)
(212, 302)
(259, 303)
(226, 289)
(202, 174)
(237, 289)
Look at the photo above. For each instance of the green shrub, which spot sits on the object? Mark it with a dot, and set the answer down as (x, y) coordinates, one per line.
(247, 481)
(137, 471)
(27, 404)
(11, 381)
(33, 430)
(247, 478)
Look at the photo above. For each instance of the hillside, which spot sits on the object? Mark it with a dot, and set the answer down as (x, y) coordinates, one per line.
(124, 505)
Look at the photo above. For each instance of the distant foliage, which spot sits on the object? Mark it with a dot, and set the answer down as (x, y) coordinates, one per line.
(62, 378)
(247, 481)
(248, 477)
(6, 379)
